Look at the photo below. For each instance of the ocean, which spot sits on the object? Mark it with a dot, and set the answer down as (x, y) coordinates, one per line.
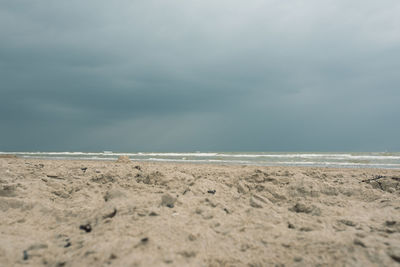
(312, 159)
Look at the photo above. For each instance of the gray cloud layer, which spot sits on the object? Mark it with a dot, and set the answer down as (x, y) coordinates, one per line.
(200, 75)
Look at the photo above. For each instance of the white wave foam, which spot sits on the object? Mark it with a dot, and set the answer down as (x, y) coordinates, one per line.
(199, 160)
(309, 156)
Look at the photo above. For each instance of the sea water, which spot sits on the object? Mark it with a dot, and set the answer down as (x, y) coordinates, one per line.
(313, 159)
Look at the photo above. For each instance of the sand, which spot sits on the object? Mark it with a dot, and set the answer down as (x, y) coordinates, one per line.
(98, 213)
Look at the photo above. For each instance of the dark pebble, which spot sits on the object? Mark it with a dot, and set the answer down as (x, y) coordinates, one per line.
(144, 240)
(111, 215)
(186, 190)
(395, 257)
(153, 214)
(390, 223)
(86, 227)
(67, 245)
(25, 255)
(211, 191)
(138, 168)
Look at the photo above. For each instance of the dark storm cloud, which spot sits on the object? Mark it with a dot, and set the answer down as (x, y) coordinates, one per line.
(199, 75)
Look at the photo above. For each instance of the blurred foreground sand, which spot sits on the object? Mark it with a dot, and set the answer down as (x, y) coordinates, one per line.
(81, 213)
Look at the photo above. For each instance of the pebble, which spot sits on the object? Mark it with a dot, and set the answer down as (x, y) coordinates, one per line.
(168, 200)
(111, 214)
(25, 255)
(52, 175)
(86, 227)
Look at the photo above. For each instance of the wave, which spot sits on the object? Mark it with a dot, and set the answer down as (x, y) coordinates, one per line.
(199, 160)
(374, 159)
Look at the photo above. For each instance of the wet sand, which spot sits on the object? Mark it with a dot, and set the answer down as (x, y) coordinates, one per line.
(98, 213)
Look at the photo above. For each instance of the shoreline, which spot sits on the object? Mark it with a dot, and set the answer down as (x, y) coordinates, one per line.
(308, 159)
(95, 212)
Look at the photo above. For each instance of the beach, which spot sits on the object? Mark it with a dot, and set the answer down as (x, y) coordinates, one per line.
(127, 213)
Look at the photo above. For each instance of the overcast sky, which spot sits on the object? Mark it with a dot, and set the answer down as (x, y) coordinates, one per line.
(205, 75)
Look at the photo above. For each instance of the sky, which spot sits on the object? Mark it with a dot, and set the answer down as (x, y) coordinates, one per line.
(174, 75)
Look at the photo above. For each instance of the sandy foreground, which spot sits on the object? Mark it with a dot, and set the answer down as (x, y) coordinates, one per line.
(98, 213)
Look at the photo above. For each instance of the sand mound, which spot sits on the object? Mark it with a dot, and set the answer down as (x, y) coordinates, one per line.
(123, 159)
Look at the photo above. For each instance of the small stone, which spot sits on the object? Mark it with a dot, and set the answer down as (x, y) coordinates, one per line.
(52, 175)
(86, 227)
(390, 223)
(137, 167)
(395, 257)
(168, 200)
(211, 192)
(25, 255)
(394, 253)
(110, 214)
